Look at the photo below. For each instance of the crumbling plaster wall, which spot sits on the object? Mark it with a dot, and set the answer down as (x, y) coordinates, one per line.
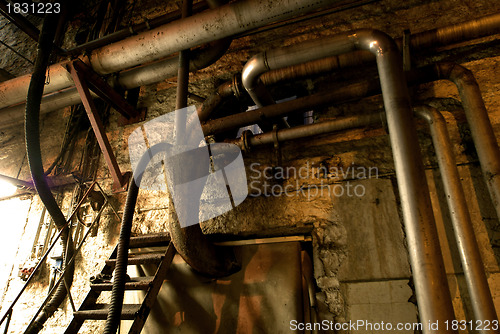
(360, 260)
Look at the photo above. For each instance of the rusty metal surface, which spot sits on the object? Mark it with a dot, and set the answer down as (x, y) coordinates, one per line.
(119, 180)
(140, 259)
(104, 90)
(101, 312)
(150, 240)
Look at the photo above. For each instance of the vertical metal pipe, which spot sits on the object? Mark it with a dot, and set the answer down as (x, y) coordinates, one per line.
(431, 285)
(479, 123)
(182, 82)
(477, 283)
(190, 242)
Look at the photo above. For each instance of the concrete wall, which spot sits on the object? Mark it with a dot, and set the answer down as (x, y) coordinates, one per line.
(359, 252)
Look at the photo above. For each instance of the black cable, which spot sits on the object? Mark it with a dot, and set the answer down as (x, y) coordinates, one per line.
(33, 150)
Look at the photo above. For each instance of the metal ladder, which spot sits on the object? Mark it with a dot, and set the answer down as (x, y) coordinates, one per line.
(91, 310)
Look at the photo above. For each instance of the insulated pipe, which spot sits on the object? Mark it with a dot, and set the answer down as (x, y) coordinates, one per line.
(139, 76)
(477, 283)
(426, 260)
(201, 28)
(131, 30)
(161, 42)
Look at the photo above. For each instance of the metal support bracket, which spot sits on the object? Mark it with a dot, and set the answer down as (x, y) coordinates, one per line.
(84, 78)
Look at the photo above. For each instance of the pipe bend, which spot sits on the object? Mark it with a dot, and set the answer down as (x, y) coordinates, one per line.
(430, 114)
(252, 70)
(375, 41)
(250, 75)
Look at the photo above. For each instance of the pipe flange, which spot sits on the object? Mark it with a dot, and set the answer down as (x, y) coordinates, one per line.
(245, 140)
(235, 86)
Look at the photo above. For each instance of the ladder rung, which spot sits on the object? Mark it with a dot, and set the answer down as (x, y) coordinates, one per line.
(101, 312)
(136, 283)
(139, 259)
(150, 240)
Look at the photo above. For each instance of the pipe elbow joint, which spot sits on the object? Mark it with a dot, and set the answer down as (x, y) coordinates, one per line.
(430, 114)
(253, 69)
(375, 41)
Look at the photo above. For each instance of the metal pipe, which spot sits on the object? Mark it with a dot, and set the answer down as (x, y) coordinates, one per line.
(477, 283)
(201, 28)
(131, 30)
(338, 95)
(468, 30)
(167, 68)
(15, 91)
(18, 183)
(475, 110)
(163, 41)
(426, 260)
(250, 74)
(139, 76)
(227, 89)
(190, 242)
(182, 83)
(479, 123)
(305, 131)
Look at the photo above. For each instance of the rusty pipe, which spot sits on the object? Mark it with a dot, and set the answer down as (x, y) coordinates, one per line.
(158, 43)
(248, 141)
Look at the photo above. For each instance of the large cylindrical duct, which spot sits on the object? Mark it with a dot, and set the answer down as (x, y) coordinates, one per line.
(161, 42)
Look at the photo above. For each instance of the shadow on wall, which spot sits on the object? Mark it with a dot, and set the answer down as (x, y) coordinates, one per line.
(261, 298)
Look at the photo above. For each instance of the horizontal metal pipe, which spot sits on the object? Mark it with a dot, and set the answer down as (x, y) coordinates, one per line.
(14, 91)
(161, 42)
(129, 31)
(305, 131)
(464, 31)
(340, 95)
(136, 77)
(167, 68)
(259, 67)
(18, 183)
(195, 30)
(477, 283)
